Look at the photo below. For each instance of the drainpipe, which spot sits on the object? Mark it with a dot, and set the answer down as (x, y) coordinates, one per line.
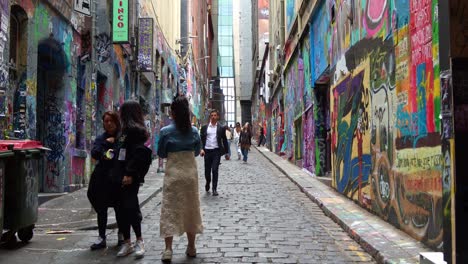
(134, 45)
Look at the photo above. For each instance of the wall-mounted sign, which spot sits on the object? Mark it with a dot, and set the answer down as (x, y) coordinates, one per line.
(145, 44)
(83, 6)
(120, 21)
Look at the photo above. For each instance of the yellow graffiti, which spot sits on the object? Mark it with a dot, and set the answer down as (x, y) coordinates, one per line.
(418, 160)
(31, 85)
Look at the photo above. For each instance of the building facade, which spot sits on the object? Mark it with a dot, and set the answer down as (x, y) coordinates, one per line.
(62, 69)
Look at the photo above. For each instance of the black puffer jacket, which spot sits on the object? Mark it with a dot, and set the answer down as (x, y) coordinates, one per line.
(137, 156)
(99, 189)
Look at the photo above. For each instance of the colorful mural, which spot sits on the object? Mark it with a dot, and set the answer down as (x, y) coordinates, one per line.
(290, 13)
(386, 133)
(320, 40)
(351, 159)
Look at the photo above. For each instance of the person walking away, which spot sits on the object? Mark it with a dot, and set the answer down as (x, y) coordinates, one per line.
(245, 141)
(180, 143)
(261, 138)
(133, 161)
(99, 190)
(229, 139)
(214, 145)
(237, 131)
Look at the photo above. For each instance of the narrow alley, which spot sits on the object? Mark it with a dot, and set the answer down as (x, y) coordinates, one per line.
(260, 216)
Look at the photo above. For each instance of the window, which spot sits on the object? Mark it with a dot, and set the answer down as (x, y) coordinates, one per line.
(225, 51)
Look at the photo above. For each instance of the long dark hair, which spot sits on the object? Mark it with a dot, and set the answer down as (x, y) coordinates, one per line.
(131, 116)
(181, 114)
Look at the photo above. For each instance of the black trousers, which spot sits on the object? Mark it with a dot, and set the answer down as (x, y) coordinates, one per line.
(128, 211)
(212, 160)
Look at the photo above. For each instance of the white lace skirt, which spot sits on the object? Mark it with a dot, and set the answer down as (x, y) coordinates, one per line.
(180, 210)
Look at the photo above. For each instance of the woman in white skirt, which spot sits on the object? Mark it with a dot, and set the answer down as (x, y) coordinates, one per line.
(180, 212)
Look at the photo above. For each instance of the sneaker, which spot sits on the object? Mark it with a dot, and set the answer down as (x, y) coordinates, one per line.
(207, 187)
(167, 255)
(126, 249)
(139, 249)
(99, 244)
(215, 193)
(120, 239)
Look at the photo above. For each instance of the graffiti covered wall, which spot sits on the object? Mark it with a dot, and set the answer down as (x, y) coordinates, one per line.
(385, 107)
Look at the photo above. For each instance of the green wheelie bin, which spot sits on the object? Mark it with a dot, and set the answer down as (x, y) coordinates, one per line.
(5, 153)
(21, 189)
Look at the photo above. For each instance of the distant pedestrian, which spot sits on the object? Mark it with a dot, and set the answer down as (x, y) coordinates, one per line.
(229, 139)
(245, 141)
(214, 145)
(261, 138)
(236, 132)
(133, 160)
(99, 190)
(180, 210)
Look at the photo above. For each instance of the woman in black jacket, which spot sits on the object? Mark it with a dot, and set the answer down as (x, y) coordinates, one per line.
(132, 163)
(99, 191)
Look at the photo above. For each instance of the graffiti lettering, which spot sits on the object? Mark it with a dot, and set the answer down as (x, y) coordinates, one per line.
(384, 188)
(31, 169)
(423, 185)
(103, 47)
(55, 139)
(424, 163)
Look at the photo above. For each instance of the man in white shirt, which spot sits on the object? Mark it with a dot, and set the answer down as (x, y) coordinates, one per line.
(214, 145)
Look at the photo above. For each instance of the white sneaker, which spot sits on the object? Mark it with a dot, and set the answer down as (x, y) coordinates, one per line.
(139, 249)
(167, 255)
(126, 249)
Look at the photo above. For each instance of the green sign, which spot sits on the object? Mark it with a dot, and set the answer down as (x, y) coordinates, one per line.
(120, 21)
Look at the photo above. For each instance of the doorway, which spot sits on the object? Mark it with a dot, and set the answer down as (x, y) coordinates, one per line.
(50, 126)
(322, 130)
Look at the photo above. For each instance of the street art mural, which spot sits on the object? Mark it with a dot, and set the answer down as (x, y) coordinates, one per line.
(294, 105)
(351, 159)
(290, 11)
(320, 42)
(385, 108)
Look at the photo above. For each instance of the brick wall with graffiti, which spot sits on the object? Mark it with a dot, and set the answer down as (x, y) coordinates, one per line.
(385, 105)
(381, 60)
(38, 84)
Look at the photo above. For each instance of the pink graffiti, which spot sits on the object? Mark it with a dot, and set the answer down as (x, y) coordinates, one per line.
(78, 166)
(376, 16)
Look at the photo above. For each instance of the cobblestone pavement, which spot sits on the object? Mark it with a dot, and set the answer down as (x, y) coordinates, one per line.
(259, 217)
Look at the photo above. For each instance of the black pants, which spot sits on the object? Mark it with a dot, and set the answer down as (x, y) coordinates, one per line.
(261, 140)
(128, 212)
(102, 221)
(212, 160)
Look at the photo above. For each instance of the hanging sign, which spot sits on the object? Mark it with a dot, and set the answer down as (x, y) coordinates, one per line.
(145, 44)
(83, 6)
(120, 21)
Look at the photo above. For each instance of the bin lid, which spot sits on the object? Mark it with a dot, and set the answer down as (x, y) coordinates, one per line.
(3, 147)
(21, 144)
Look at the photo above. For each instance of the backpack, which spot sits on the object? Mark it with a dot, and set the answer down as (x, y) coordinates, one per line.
(142, 163)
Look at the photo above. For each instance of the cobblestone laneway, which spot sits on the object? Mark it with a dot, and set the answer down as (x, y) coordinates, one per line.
(259, 217)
